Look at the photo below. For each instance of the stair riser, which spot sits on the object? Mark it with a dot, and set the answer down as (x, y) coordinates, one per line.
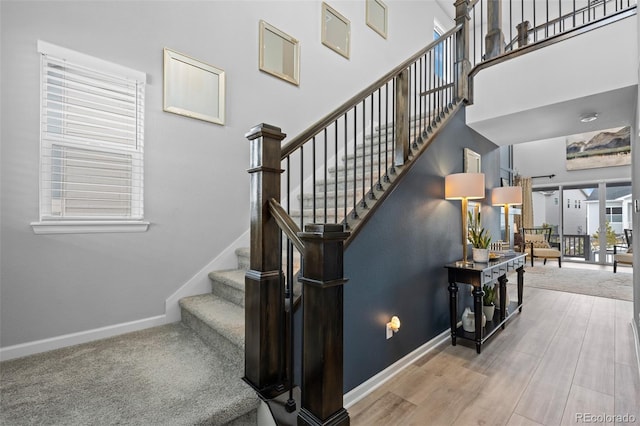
(330, 201)
(341, 182)
(223, 347)
(227, 292)
(243, 262)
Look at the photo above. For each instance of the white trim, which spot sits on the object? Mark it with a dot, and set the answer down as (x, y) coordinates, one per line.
(90, 61)
(88, 227)
(554, 185)
(364, 389)
(30, 348)
(200, 282)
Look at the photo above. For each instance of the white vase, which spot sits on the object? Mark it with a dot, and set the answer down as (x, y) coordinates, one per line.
(480, 255)
(469, 320)
(488, 311)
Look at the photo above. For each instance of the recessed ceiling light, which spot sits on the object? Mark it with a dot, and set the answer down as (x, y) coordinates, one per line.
(586, 118)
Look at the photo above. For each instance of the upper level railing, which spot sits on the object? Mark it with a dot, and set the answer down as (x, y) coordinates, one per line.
(522, 22)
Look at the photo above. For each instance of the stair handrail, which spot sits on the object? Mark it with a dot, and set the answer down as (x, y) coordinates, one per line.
(315, 128)
(286, 224)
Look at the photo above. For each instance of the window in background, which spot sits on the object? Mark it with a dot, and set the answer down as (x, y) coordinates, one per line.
(91, 139)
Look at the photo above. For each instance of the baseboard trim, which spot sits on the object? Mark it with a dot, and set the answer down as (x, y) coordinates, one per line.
(364, 389)
(44, 345)
(200, 283)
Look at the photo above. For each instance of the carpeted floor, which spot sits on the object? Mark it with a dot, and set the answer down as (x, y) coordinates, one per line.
(583, 281)
(160, 376)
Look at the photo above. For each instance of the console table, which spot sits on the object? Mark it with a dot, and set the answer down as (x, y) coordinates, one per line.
(478, 274)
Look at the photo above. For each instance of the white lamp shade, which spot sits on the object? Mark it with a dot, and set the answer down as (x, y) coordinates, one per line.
(506, 195)
(464, 185)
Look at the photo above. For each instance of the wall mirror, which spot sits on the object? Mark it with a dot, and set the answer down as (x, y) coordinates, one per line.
(472, 161)
(193, 88)
(336, 31)
(279, 54)
(377, 16)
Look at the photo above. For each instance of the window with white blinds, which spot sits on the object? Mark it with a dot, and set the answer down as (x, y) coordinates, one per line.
(91, 138)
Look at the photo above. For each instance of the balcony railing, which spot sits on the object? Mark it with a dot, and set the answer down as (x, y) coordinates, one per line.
(521, 22)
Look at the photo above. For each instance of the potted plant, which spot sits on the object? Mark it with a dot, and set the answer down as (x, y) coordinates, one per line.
(489, 301)
(479, 239)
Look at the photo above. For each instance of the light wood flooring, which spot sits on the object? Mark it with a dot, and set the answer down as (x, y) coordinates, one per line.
(564, 355)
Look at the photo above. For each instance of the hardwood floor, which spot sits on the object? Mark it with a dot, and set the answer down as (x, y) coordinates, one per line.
(566, 357)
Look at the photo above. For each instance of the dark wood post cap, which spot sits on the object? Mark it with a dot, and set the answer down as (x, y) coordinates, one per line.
(264, 129)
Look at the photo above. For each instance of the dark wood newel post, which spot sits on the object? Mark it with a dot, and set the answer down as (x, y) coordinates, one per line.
(402, 118)
(263, 292)
(523, 33)
(322, 323)
(494, 40)
(462, 66)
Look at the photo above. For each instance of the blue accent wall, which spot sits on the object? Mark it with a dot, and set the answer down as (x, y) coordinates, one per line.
(395, 264)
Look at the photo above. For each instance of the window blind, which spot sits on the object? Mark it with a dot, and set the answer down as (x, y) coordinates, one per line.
(91, 145)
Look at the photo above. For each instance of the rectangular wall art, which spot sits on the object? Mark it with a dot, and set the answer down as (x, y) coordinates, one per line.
(193, 88)
(279, 53)
(336, 31)
(602, 148)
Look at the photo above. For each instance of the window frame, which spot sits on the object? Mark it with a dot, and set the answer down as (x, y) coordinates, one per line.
(132, 220)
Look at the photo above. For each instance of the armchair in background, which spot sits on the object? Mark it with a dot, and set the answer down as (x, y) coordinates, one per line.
(536, 244)
(623, 255)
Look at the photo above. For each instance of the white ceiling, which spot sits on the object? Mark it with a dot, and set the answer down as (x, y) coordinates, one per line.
(615, 108)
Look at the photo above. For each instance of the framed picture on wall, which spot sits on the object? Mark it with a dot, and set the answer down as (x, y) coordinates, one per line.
(279, 54)
(193, 88)
(336, 31)
(377, 17)
(472, 161)
(602, 148)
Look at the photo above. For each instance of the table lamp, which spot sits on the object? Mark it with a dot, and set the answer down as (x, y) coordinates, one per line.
(504, 196)
(464, 186)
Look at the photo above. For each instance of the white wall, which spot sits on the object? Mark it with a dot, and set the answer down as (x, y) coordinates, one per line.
(196, 184)
(548, 157)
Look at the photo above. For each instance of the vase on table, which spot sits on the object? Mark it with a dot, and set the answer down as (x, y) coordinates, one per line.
(480, 255)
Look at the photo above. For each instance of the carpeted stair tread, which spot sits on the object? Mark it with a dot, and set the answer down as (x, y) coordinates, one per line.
(229, 285)
(159, 376)
(223, 317)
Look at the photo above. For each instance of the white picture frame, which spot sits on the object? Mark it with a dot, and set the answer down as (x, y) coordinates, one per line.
(376, 17)
(472, 161)
(336, 31)
(193, 88)
(279, 53)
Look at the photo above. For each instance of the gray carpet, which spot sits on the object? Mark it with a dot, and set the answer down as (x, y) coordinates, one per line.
(584, 281)
(161, 376)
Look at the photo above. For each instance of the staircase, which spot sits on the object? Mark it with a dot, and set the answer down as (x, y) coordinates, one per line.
(218, 319)
(369, 163)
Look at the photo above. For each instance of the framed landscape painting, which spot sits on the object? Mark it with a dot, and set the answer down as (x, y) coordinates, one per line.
(602, 148)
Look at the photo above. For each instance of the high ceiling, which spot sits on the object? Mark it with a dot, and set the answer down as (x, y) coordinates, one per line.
(615, 109)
